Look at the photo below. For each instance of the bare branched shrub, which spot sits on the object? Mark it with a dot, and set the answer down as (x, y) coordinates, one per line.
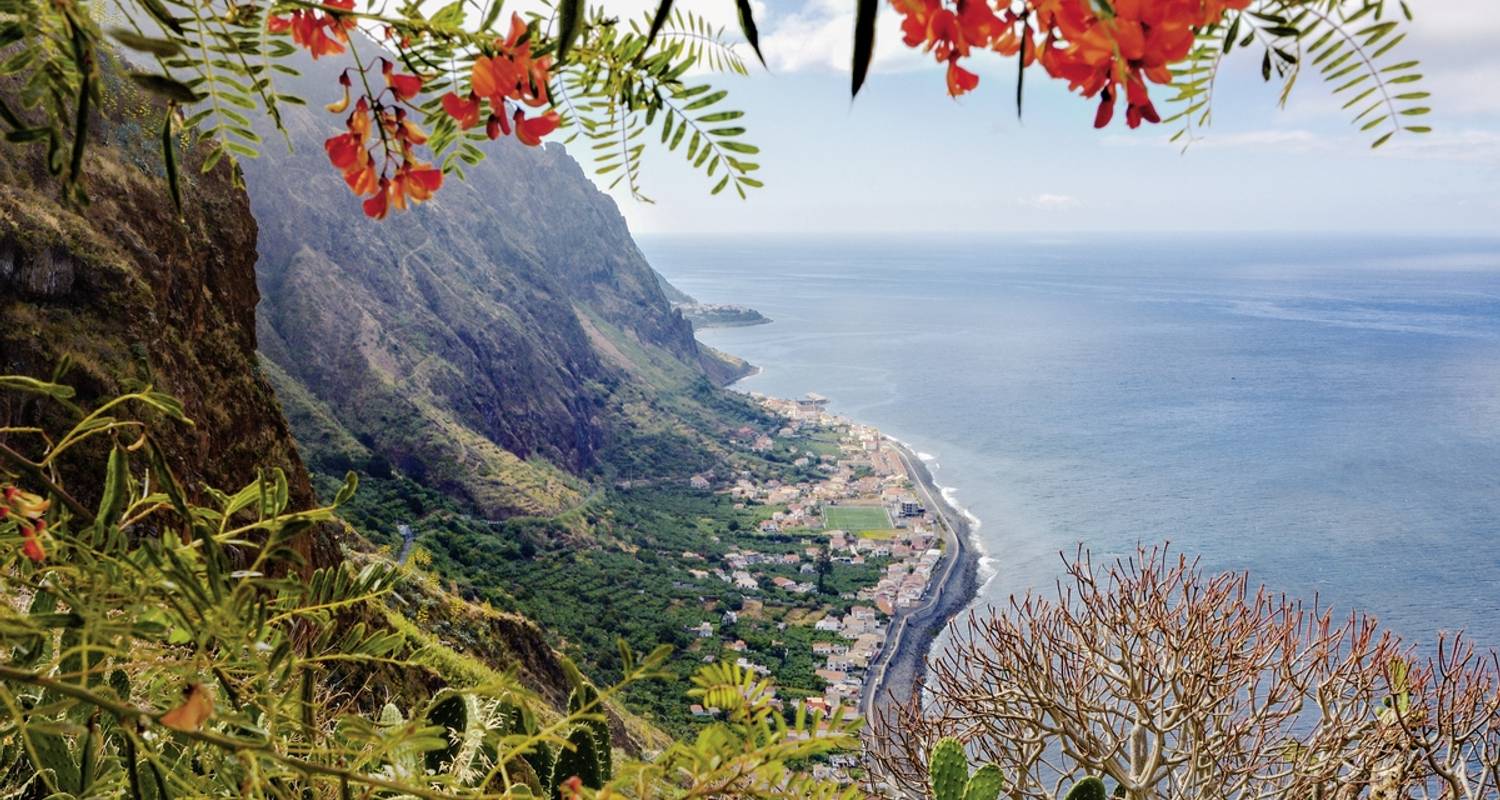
(1172, 684)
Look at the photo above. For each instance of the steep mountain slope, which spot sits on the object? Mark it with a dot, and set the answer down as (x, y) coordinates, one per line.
(131, 296)
(492, 343)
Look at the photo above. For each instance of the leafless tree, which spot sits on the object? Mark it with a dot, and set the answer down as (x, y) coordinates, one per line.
(1172, 684)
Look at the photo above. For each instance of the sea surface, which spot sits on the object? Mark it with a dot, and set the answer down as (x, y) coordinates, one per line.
(1323, 412)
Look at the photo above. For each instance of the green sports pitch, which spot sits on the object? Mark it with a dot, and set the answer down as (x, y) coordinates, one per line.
(856, 518)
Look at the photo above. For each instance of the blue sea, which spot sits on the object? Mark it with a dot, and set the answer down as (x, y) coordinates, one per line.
(1323, 412)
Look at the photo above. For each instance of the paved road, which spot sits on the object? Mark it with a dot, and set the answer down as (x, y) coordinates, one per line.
(408, 538)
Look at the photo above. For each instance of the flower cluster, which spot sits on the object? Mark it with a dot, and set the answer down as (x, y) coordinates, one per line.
(506, 81)
(27, 510)
(375, 153)
(321, 33)
(1095, 47)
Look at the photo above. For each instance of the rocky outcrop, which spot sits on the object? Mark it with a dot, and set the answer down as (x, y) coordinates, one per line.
(41, 274)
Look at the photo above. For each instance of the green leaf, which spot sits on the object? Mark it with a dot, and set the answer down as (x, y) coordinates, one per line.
(169, 159)
(706, 100)
(160, 14)
(663, 11)
(145, 44)
(170, 88)
(449, 16)
(569, 23)
(351, 484)
(865, 12)
(747, 25)
(116, 490)
(34, 386)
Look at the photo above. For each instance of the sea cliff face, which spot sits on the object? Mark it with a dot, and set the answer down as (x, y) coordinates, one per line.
(484, 343)
(131, 295)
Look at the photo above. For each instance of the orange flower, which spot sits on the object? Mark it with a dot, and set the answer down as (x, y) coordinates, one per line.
(497, 125)
(505, 80)
(464, 110)
(405, 87)
(376, 206)
(530, 131)
(197, 706)
(348, 154)
(950, 35)
(28, 509)
(494, 77)
(960, 80)
(31, 544)
(414, 183)
(1129, 43)
(320, 33)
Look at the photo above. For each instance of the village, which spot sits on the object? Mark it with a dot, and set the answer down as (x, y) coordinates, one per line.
(861, 511)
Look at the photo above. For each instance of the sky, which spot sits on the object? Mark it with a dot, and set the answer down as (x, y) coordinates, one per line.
(904, 157)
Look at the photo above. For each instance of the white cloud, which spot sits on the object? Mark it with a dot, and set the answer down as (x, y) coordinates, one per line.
(1292, 140)
(820, 35)
(1053, 202)
(1469, 145)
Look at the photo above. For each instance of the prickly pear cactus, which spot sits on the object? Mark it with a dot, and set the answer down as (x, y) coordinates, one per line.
(587, 697)
(948, 773)
(406, 761)
(985, 784)
(1088, 789)
(57, 760)
(518, 720)
(462, 717)
(581, 759)
(948, 770)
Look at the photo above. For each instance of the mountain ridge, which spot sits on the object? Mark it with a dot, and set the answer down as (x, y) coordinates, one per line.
(478, 343)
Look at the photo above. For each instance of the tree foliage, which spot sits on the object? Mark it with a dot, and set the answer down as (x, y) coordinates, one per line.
(1114, 49)
(432, 83)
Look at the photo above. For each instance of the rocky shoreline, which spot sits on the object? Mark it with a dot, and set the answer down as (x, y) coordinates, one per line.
(901, 666)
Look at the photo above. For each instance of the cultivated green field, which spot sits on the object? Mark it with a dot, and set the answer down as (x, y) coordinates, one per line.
(856, 518)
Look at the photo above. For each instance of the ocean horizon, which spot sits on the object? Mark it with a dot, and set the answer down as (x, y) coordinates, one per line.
(1322, 411)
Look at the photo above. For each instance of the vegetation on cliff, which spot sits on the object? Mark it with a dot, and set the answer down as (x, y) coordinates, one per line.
(160, 647)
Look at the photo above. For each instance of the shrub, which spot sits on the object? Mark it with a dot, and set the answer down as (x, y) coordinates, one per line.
(1173, 684)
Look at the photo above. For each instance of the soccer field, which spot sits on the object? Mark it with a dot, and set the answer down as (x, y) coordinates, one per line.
(856, 518)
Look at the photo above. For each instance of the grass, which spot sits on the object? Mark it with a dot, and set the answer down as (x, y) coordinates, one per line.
(856, 518)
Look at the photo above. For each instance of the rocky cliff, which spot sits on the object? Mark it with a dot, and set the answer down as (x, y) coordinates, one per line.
(131, 295)
(487, 343)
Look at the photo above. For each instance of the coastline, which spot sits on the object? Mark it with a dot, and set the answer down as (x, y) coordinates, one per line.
(901, 667)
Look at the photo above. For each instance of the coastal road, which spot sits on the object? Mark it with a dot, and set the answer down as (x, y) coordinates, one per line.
(903, 660)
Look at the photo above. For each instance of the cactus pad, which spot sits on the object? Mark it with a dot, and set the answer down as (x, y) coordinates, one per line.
(1088, 789)
(948, 770)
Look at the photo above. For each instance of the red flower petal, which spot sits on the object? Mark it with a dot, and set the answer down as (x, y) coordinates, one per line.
(960, 80)
(530, 131)
(375, 206)
(464, 110)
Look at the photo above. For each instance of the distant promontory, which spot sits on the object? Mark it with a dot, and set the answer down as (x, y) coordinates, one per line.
(710, 315)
